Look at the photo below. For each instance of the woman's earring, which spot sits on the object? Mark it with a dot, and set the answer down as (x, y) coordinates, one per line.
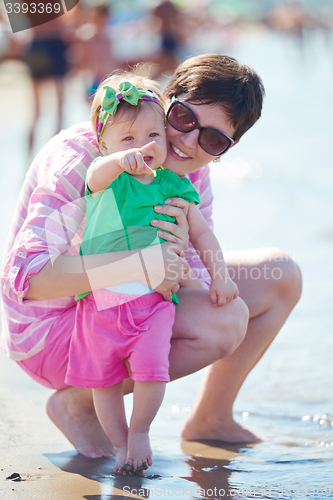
(216, 160)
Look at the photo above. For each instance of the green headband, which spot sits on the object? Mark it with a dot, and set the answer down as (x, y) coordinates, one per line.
(110, 100)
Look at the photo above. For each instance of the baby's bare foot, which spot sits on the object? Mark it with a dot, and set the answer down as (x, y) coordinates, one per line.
(121, 454)
(140, 455)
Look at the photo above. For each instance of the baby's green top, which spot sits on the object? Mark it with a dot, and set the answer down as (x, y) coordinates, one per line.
(119, 217)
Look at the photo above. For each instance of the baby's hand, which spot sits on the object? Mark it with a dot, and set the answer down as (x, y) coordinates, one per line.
(223, 291)
(133, 161)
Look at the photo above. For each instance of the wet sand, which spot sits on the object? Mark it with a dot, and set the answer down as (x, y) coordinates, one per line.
(49, 468)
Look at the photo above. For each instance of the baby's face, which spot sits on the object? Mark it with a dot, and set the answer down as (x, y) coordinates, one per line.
(127, 132)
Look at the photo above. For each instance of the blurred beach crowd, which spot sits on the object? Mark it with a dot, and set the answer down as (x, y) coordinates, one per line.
(95, 38)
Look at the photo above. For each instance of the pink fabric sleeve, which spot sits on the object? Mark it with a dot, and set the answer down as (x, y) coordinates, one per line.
(201, 181)
(49, 213)
(206, 196)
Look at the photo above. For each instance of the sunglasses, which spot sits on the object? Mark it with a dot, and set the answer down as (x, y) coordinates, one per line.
(210, 140)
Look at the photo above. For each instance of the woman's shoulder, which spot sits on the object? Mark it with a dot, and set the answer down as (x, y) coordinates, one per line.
(199, 177)
(66, 158)
(78, 140)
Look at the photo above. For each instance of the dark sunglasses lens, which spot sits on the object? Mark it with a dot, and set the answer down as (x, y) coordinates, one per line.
(213, 142)
(181, 118)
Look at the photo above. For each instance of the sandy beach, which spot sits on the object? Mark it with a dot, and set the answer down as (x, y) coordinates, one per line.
(44, 465)
(274, 189)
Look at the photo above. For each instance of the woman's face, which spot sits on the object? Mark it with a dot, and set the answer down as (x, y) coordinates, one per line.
(184, 155)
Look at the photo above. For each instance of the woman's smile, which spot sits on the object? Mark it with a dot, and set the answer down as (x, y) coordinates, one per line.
(179, 152)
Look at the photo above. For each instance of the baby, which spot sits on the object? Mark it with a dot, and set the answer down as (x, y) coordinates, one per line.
(125, 330)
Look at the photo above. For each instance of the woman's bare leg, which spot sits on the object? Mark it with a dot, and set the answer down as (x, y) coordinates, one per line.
(270, 283)
(72, 411)
(198, 341)
(206, 337)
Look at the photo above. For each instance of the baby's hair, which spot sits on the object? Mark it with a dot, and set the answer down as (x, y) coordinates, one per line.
(135, 77)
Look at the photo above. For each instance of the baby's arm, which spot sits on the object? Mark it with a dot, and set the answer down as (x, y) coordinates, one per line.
(104, 171)
(222, 288)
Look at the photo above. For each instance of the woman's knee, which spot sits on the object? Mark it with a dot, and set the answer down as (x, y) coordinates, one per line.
(233, 326)
(286, 276)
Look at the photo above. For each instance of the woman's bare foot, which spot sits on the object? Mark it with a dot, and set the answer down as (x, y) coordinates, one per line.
(226, 430)
(140, 455)
(72, 411)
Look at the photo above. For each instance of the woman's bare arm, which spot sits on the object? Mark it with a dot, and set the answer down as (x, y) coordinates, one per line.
(71, 275)
(159, 266)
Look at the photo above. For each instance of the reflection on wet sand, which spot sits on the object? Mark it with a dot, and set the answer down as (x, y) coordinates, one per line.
(203, 465)
(206, 467)
(103, 483)
(210, 467)
(208, 464)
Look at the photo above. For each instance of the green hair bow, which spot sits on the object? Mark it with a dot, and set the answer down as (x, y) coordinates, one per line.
(110, 100)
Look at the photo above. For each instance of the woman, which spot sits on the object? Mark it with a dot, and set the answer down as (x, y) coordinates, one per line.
(39, 282)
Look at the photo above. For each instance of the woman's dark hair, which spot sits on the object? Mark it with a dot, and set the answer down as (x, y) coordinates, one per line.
(220, 80)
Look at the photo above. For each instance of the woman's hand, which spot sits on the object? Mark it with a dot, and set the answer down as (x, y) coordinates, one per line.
(165, 267)
(178, 208)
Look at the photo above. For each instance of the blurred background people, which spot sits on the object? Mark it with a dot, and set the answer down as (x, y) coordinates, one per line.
(47, 62)
(293, 19)
(93, 52)
(170, 25)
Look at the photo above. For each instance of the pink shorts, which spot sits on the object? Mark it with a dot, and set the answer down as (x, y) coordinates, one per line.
(139, 330)
(49, 366)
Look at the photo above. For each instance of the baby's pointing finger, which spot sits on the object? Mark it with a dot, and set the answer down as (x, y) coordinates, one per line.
(147, 147)
(142, 166)
(126, 165)
(133, 163)
(147, 169)
(139, 163)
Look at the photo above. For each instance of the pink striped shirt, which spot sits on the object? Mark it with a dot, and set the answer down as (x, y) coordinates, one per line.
(48, 221)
